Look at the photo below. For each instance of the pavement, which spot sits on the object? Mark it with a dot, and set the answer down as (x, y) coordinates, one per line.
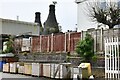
(9, 76)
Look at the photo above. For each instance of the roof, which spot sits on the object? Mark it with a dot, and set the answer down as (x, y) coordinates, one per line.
(19, 22)
(7, 55)
(25, 36)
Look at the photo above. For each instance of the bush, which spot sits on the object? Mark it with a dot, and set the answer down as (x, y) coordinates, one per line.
(85, 48)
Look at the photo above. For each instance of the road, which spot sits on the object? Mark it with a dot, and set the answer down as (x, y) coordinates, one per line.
(8, 76)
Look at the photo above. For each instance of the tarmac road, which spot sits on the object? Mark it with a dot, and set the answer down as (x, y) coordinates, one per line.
(8, 76)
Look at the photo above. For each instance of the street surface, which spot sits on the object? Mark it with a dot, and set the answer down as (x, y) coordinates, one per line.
(8, 76)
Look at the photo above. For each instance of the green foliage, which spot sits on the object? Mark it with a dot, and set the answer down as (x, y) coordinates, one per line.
(94, 58)
(51, 30)
(85, 48)
(24, 53)
(2, 52)
(10, 46)
(68, 57)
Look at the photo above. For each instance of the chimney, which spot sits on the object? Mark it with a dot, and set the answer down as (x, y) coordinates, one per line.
(38, 18)
(17, 18)
(51, 25)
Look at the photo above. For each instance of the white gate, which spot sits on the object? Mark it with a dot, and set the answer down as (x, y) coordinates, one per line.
(112, 62)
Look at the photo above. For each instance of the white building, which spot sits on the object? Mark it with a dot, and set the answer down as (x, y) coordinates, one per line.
(83, 20)
(15, 27)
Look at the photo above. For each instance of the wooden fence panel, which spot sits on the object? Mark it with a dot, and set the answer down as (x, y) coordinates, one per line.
(64, 42)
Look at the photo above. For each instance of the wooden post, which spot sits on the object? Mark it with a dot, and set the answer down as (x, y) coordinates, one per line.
(101, 45)
(65, 42)
(48, 44)
(52, 36)
(82, 35)
(40, 43)
(69, 42)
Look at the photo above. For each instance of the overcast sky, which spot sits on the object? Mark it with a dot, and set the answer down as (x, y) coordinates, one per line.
(66, 11)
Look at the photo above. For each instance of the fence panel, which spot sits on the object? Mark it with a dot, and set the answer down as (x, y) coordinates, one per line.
(65, 42)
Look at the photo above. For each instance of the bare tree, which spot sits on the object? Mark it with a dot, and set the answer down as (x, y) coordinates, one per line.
(107, 13)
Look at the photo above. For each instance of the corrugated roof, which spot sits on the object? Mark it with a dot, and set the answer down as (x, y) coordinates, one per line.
(7, 55)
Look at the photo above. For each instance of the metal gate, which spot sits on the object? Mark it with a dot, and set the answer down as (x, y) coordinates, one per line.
(112, 62)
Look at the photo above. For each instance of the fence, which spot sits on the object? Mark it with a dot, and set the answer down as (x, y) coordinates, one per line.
(98, 35)
(112, 58)
(64, 42)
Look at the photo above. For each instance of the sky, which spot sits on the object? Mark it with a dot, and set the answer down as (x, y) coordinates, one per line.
(66, 11)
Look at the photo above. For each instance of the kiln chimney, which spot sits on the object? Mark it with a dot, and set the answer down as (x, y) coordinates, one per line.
(38, 18)
(51, 25)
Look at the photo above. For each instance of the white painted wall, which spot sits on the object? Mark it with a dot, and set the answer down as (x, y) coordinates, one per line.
(83, 20)
(26, 44)
(4, 46)
(0, 26)
(14, 27)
